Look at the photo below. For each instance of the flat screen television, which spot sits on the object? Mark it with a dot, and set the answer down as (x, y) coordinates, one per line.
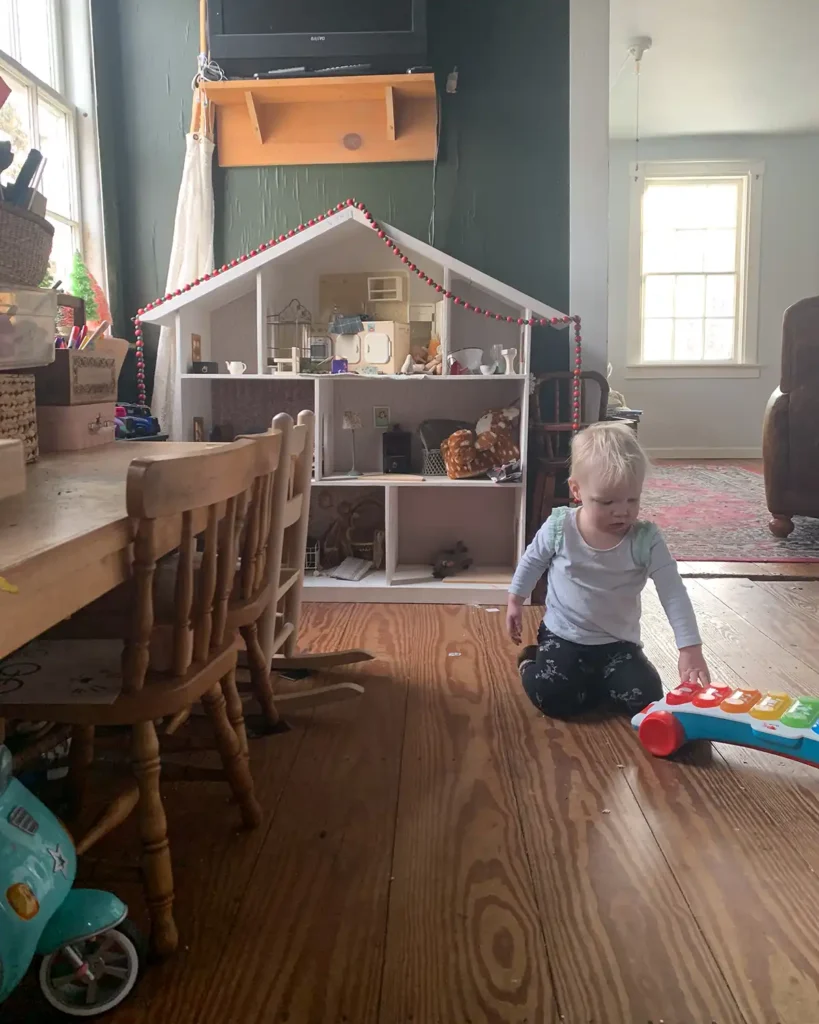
(255, 36)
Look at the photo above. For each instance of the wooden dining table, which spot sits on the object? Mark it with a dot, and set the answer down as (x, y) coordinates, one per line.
(66, 540)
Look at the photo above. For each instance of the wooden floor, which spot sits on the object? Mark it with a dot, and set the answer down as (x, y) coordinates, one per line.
(439, 853)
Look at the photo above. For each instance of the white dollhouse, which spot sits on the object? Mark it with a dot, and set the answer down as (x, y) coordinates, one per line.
(279, 312)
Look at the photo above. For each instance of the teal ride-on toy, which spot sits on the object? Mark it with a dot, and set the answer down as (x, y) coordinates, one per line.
(90, 953)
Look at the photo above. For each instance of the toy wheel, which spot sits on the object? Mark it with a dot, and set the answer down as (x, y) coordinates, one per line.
(661, 733)
(110, 967)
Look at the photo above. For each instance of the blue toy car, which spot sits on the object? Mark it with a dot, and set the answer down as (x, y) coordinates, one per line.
(90, 951)
(135, 421)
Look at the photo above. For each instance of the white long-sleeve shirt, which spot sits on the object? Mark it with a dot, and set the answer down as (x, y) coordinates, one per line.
(593, 595)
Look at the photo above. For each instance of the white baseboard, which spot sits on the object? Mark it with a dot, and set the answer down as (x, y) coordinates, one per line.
(705, 453)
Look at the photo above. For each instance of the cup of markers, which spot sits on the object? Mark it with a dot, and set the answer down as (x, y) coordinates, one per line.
(79, 338)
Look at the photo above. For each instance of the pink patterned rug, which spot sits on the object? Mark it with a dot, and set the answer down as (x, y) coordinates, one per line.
(717, 513)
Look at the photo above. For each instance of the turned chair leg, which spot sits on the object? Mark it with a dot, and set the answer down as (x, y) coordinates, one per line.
(260, 676)
(153, 830)
(80, 760)
(235, 764)
(781, 526)
(235, 709)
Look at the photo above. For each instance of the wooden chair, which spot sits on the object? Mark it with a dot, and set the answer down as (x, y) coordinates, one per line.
(271, 638)
(166, 666)
(268, 514)
(259, 581)
(550, 433)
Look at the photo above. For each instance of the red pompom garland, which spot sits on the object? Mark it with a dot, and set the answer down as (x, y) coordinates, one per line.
(394, 248)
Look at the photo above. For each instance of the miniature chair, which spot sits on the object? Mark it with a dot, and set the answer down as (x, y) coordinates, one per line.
(167, 663)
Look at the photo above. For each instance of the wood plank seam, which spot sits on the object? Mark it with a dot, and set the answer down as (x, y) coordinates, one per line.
(627, 980)
(506, 760)
(680, 888)
(389, 908)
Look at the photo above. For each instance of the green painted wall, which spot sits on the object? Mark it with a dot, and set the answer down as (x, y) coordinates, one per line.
(503, 173)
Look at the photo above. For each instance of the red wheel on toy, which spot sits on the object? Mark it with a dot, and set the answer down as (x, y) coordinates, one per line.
(661, 733)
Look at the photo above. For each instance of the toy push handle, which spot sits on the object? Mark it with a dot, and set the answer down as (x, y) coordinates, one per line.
(661, 733)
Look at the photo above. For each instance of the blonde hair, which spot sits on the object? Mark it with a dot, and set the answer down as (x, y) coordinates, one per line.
(612, 451)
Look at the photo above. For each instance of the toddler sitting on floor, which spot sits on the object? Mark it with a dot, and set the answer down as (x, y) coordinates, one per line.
(599, 557)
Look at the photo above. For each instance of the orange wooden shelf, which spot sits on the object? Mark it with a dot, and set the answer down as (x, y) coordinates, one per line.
(349, 120)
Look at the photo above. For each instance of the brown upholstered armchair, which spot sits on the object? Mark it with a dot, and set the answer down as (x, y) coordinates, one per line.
(790, 435)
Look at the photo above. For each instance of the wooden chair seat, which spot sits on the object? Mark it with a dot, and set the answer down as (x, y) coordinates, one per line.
(168, 696)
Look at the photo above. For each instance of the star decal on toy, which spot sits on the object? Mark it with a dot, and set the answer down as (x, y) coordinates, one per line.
(60, 863)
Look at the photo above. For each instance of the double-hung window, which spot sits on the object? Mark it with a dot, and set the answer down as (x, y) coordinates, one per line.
(39, 114)
(694, 266)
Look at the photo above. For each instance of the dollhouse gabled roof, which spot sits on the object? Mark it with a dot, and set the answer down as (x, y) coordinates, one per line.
(344, 225)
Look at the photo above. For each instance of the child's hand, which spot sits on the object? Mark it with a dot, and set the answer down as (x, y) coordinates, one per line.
(692, 666)
(514, 618)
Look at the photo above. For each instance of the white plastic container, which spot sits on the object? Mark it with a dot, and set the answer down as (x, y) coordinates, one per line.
(27, 326)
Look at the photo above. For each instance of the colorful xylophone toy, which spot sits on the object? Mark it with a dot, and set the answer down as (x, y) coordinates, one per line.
(773, 722)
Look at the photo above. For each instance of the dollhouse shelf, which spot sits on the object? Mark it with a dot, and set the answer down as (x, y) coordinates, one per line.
(351, 376)
(346, 120)
(228, 317)
(414, 584)
(404, 480)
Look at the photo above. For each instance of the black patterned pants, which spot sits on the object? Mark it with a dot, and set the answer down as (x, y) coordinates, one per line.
(562, 678)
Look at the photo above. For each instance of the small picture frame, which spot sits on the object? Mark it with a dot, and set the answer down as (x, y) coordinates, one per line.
(196, 348)
(198, 428)
(381, 417)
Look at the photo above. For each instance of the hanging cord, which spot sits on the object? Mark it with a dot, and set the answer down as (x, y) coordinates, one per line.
(207, 70)
(619, 74)
(637, 65)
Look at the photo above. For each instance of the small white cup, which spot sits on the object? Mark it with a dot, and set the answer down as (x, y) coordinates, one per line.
(236, 367)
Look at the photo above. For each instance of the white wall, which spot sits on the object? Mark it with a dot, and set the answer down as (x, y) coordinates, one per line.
(721, 417)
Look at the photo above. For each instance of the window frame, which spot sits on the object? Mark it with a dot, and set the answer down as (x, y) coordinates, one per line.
(41, 90)
(72, 58)
(55, 37)
(744, 364)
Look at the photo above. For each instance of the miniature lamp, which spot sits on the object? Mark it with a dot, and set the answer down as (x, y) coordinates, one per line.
(352, 422)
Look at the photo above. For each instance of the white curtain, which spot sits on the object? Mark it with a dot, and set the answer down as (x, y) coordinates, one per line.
(191, 258)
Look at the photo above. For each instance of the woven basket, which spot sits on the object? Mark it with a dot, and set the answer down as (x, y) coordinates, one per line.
(18, 413)
(433, 464)
(25, 246)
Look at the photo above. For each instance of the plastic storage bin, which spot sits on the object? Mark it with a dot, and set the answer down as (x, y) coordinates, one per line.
(27, 328)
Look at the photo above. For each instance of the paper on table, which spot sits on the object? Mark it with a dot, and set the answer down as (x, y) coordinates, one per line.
(62, 672)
